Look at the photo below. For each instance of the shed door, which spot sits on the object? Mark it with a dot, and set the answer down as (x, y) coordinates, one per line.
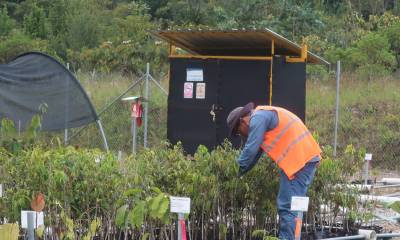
(192, 94)
(241, 82)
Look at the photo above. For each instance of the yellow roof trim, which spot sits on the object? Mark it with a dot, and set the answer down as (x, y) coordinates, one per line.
(234, 43)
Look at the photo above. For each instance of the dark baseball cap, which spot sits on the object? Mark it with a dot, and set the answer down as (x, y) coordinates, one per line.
(234, 116)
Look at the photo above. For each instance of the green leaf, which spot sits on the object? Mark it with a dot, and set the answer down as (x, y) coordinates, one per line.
(395, 206)
(121, 214)
(145, 236)
(94, 225)
(136, 216)
(156, 190)
(133, 192)
(164, 207)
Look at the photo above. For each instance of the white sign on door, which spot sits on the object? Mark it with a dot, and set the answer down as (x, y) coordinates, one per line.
(180, 204)
(194, 75)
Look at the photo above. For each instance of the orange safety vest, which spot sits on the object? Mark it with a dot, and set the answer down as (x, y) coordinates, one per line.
(289, 144)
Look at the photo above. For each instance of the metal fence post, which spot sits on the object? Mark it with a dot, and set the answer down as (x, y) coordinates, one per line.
(31, 225)
(133, 135)
(146, 108)
(103, 135)
(66, 129)
(337, 106)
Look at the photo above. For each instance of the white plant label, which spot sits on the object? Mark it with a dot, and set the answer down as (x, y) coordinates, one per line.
(299, 204)
(37, 216)
(1, 190)
(179, 204)
(368, 156)
(194, 74)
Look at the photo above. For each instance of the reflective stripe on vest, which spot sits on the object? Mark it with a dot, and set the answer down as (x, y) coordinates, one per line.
(285, 129)
(289, 144)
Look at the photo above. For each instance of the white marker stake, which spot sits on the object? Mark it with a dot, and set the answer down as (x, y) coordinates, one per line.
(368, 158)
(299, 205)
(180, 205)
(1, 190)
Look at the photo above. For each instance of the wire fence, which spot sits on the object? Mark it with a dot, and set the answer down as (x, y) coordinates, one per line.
(117, 124)
(367, 116)
(367, 119)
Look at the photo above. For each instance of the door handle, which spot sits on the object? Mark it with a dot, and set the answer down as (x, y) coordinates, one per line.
(214, 110)
(212, 113)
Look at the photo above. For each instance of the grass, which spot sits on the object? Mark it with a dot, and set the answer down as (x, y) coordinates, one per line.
(368, 116)
(369, 112)
(104, 89)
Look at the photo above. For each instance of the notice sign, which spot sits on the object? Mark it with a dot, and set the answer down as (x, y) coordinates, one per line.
(37, 216)
(299, 204)
(200, 90)
(179, 204)
(188, 90)
(194, 74)
(368, 156)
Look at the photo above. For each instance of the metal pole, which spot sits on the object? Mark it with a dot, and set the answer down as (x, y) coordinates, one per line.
(66, 129)
(19, 128)
(65, 136)
(337, 106)
(133, 135)
(31, 225)
(348, 237)
(146, 108)
(103, 135)
(387, 235)
(180, 217)
(366, 172)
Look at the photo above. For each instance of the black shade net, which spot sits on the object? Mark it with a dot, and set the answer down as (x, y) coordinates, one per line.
(35, 81)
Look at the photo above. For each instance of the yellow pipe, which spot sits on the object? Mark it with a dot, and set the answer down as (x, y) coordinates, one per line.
(303, 56)
(172, 49)
(270, 71)
(221, 57)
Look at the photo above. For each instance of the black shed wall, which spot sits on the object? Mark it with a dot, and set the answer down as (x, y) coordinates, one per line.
(228, 84)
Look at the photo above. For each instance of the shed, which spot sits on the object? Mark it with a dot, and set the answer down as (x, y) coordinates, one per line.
(220, 70)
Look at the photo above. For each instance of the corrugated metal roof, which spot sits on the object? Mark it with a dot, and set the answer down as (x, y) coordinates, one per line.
(234, 43)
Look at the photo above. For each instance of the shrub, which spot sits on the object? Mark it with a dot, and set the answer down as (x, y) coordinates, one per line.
(19, 43)
(6, 23)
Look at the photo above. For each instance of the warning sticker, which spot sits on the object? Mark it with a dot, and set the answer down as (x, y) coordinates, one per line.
(188, 90)
(200, 90)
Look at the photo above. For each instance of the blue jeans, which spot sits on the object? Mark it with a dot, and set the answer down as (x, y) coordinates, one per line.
(288, 188)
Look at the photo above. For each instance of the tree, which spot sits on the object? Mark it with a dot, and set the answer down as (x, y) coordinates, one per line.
(83, 30)
(6, 23)
(35, 23)
(298, 19)
(58, 13)
(393, 35)
(371, 55)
